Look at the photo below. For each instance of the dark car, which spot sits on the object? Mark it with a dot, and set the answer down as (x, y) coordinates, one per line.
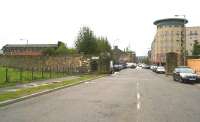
(117, 67)
(184, 74)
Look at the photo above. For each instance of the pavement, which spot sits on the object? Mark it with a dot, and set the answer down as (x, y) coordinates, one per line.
(35, 84)
(131, 95)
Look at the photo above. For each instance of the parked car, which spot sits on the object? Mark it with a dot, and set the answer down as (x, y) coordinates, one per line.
(146, 66)
(131, 65)
(153, 68)
(160, 69)
(184, 74)
(117, 67)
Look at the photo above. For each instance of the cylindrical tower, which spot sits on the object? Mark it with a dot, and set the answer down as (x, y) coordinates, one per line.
(170, 37)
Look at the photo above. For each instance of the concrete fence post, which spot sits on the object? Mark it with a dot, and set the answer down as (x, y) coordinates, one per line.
(7, 75)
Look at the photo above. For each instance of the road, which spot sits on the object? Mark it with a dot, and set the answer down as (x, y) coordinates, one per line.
(128, 96)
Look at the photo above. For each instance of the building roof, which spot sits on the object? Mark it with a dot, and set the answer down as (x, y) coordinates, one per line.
(30, 45)
(171, 21)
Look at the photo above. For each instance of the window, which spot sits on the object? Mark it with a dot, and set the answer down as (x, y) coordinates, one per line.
(195, 33)
(182, 33)
(172, 32)
(166, 33)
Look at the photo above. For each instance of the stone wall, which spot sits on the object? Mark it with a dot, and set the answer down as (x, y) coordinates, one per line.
(53, 63)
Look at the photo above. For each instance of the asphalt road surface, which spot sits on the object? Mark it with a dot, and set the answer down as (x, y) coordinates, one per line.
(128, 96)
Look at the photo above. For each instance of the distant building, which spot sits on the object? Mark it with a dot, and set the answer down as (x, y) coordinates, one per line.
(170, 37)
(1, 52)
(116, 54)
(26, 49)
(142, 59)
(192, 36)
(149, 56)
(127, 57)
(121, 57)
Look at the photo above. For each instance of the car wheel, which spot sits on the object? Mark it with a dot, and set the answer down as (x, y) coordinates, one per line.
(174, 78)
(180, 80)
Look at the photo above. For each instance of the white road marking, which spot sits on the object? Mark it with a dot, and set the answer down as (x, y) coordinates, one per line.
(138, 106)
(137, 85)
(138, 96)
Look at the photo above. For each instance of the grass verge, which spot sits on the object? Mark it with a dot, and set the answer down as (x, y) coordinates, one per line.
(17, 76)
(27, 91)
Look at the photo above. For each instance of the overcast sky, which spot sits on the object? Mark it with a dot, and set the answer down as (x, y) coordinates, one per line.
(123, 22)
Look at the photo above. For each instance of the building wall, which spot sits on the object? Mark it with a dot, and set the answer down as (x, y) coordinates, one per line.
(127, 57)
(25, 50)
(194, 64)
(169, 38)
(192, 35)
(121, 57)
(48, 63)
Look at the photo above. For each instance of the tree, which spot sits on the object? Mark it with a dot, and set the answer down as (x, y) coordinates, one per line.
(196, 49)
(103, 45)
(49, 51)
(71, 51)
(86, 41)
(62, 49)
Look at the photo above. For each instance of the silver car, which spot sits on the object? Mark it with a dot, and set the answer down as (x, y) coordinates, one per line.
(184, 74)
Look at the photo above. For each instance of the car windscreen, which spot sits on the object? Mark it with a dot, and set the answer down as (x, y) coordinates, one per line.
(185, 70)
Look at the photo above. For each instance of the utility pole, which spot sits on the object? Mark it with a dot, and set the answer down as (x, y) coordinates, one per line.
(114, 42)
(26, 40)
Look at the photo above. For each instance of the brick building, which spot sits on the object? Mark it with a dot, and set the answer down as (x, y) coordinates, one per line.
(121, 57)
(170, 37)
(26, 49)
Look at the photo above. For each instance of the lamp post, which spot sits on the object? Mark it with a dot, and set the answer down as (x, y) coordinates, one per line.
(115, 42)
(26, 40)
(184, 41)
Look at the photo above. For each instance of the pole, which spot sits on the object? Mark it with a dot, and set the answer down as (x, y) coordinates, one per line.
(6, 74)
(32, 73)
(20, 74)
(185, 41)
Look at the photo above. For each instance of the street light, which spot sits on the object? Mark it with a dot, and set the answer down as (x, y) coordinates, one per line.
(184, 47)
(114, 42)
(26, 40)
